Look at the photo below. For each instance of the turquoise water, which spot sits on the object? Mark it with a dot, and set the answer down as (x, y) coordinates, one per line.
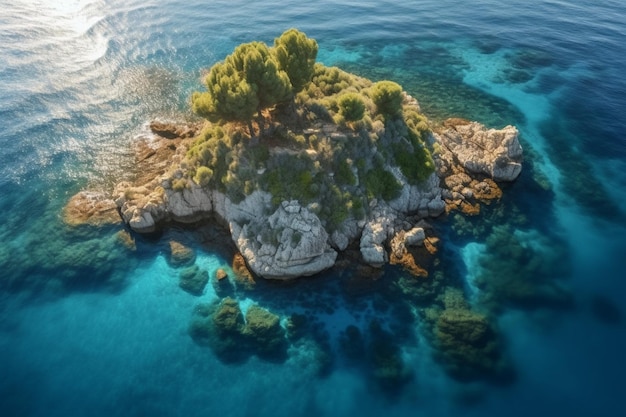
(89, 328)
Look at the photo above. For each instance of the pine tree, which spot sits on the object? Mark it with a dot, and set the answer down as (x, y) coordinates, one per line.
(296, 54)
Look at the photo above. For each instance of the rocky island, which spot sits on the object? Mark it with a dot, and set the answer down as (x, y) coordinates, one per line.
(307, 167)
(335, 160)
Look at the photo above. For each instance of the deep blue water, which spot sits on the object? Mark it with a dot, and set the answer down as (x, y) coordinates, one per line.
(89, 329)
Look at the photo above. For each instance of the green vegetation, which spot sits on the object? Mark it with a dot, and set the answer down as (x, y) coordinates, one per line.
(296, 55)
(387, 97)
(381, 183)
(244, 84)
(326, 138)
(203, 176)
(351, 107)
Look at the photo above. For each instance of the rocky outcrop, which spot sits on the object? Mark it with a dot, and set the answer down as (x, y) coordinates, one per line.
(491, 152)
(376, 233)
(424, 199)
(180, 254)
(173, 131)
(289, 243)
(469, 161)
(144, 207)
(91, 207)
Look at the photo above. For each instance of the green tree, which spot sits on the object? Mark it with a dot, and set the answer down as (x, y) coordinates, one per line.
(351, 107)
(260, 69)
(387, 96)
(242, 86)
(229, 97)
(296, 55)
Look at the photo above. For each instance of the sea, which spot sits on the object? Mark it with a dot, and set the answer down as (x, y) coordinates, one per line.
(90, 328)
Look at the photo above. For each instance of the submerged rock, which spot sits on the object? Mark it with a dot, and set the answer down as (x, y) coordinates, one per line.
(522, 270)
(181, 254)
(468, 346)
(220, 327)
(264, 333)
(193, 279)
(234, 337)
(91, 208)
(388, 366)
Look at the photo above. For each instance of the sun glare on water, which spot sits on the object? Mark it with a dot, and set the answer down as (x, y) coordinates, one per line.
(74, 15)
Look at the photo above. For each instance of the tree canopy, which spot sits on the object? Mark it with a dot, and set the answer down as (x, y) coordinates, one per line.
(296, 54)
(245, 83)
(255, 77)
(229, 97)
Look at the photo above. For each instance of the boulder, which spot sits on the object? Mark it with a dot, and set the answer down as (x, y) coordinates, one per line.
(243, 275)
(414, 237)
(372, 240)
(289, 243)
(375, 233)
(491, 152)
(180, 254)
(172, 130)
(221, 274)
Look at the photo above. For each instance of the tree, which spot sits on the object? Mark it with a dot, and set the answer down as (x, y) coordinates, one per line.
(387, 96)
(260, 69)
(296, 54)
(244, 84)
(351, 107)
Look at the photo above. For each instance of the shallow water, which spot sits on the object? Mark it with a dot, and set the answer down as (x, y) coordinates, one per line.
(87, 327)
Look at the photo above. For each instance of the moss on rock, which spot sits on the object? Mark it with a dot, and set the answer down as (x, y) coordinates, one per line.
(264, 333)
(180, 254)
(193, 279)
(233, 337)
(468, 346)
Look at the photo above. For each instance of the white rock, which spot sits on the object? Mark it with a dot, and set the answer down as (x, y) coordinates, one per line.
(414, 237)
(302, 248)
(479, 150)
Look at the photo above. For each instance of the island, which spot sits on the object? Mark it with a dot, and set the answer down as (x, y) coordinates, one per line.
(299, 162)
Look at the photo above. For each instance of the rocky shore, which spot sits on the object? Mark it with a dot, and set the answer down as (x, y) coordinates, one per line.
(290, 240)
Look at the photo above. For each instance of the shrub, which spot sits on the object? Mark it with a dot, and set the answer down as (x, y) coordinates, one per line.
(387, 96)
(203, 176)
(296, 54)
(179, 185)
(416, 166)
(344, 174)
(351, 107)
(381, 183)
